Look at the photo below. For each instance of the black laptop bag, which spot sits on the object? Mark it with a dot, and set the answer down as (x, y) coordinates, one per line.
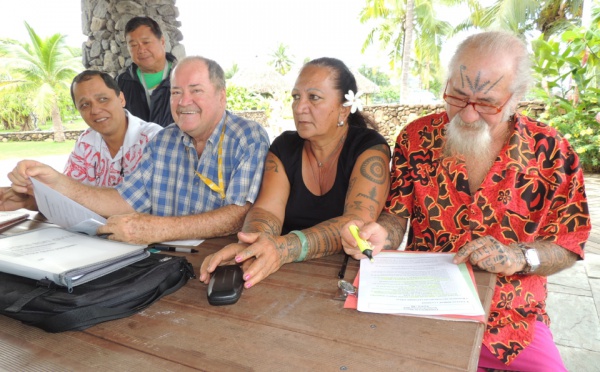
(122, 293)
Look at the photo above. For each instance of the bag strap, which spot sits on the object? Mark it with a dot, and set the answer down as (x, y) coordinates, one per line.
(43, 286)
(83, 317)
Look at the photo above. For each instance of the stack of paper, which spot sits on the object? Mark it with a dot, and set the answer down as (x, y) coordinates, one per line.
(11, 218)
(66, 258)
(419, 284)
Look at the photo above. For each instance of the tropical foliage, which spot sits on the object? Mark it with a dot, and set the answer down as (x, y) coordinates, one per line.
(40, 72)
(523, 16)
(232, 71)
(396, 24)
(568, 71)
(388, 93)
(281, 61)
(241, 99)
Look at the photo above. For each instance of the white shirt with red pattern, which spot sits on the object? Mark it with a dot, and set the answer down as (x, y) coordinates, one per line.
(90, 161)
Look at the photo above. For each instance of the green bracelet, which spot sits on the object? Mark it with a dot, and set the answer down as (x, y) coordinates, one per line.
(304, 242)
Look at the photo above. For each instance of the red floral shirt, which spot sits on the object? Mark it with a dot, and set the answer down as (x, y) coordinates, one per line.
(533, 191)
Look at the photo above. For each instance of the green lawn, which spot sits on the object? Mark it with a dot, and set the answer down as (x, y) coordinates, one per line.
(27, 149)
(68, 124)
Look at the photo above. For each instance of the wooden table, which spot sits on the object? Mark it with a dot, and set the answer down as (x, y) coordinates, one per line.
(290, 321)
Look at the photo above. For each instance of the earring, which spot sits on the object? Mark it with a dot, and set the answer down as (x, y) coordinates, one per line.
(341, 123)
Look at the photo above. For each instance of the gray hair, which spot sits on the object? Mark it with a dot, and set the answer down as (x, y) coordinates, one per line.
(215, 72)
(500, 42)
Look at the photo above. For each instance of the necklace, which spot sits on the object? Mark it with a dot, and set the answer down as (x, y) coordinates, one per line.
(323, 182)
(328, 158)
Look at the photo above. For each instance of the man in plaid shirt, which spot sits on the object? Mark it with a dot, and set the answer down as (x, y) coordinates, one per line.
(197, 178)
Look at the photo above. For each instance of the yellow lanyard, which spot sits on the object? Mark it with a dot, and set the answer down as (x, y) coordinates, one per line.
(221, 188)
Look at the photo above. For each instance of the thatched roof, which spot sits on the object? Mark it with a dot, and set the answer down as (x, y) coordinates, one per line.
(364, 84)
(260, 79)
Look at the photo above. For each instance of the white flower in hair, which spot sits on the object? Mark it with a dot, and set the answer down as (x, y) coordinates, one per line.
(354, 101)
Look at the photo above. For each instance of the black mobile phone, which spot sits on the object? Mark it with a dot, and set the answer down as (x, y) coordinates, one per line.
(225, 285)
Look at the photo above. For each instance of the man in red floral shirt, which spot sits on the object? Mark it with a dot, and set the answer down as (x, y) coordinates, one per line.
(500, 189)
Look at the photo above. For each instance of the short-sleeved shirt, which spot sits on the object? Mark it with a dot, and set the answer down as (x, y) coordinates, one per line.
(165, 182)
(90, 161)
(534, 191)
(305, 209)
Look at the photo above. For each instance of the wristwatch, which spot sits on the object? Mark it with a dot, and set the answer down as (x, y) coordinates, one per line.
(531, 258)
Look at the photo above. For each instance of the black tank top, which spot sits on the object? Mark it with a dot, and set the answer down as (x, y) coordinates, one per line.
(304, 209)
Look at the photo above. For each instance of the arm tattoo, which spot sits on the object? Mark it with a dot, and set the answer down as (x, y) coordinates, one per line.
(372, 195)
(374, 169)
(259, 220)
(271, 166)
(395, 231)
(289, 249)
(324, 239)
(553, 257)
(385, 149)
(358, 206)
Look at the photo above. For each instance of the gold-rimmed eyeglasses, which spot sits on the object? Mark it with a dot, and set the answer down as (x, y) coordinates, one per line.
(481, 108)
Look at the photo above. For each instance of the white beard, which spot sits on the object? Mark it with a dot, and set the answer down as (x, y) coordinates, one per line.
(470, 141)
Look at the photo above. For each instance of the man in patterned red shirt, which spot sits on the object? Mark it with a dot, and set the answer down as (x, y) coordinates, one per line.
(500, 189)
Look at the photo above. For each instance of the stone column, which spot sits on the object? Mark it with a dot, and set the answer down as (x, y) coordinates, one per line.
(103, 21)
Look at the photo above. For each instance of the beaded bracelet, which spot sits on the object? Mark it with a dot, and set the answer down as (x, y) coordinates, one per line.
(304, 242)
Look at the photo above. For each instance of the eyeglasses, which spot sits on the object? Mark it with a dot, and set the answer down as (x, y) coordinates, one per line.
(481, 108)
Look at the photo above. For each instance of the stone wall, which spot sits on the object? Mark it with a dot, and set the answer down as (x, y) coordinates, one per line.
(103, 21)
(48, 135)
(391, 119)
(258, 116)
(44, 135)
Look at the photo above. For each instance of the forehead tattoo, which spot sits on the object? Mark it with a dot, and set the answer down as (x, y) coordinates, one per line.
(476, 85)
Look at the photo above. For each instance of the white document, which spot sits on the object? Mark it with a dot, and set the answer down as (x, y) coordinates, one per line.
(10, 218)
(418, 284)
(64, 212)
(65, 257)
(184, 243)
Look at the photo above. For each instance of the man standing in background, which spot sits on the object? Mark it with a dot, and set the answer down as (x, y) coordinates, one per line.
(145, 83)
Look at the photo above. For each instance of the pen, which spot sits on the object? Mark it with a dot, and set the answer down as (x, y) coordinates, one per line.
(162, 247)
(363, 245)
(342, 272)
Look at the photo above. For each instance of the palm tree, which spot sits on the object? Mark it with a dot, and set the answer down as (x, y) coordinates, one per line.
(232, 71)
(521, 16)
(281, 61)
(44, 68)
(397, 24)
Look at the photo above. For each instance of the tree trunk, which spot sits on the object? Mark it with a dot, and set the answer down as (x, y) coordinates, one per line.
(407, 49)
(27, 123)
(59, 131)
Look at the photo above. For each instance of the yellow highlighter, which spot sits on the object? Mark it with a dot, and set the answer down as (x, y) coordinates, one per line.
(363, 245)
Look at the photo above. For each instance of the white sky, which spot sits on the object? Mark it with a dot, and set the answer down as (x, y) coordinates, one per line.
(229, 31)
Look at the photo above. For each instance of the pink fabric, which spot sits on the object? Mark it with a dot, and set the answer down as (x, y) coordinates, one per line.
(541, 355)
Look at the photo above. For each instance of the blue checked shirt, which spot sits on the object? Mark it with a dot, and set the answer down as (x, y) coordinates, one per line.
(165, 184)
